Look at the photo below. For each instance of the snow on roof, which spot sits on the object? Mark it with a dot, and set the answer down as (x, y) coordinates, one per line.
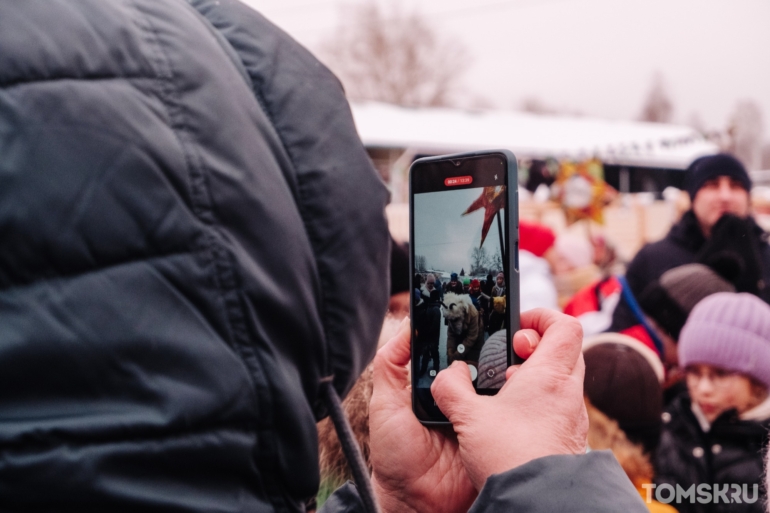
(442, 130)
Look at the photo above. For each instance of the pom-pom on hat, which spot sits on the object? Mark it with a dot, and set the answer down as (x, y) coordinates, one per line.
(712, 166)
(730, 331)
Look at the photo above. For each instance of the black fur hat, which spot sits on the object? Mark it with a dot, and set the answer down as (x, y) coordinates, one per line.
(671, 298)
(733, 249)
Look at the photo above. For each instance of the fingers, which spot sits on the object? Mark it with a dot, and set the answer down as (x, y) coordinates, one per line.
(389, 330)
(561, 338)
(510, 371)
(453, 391)
(525, 342)
(390, 363)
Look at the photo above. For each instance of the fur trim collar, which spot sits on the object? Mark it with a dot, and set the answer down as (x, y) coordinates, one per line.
(604, 433)
(759, 413)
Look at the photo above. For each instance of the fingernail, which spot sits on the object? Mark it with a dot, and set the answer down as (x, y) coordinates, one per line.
(530, 339)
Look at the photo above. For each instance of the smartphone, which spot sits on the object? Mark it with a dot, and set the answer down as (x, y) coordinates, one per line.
(464, 279)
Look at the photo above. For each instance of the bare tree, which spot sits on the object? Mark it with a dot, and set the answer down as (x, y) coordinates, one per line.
(657, 107)
(746, 134)
(420, 263)
(479, 261)
(394, 58)
(535, 105)
(497, 262)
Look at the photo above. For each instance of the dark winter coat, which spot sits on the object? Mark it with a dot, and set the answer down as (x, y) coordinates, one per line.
(685, 244)
(730, 453)
(682, 246)
(487, 286)
(427, 321)
(457, 288)
(183, 198)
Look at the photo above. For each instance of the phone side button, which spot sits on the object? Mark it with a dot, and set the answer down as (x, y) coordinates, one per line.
(516, 257)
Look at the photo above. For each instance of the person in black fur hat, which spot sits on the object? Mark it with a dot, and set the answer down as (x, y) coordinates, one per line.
(669, 300)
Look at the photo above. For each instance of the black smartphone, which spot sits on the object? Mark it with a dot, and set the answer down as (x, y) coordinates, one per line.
(464, 234)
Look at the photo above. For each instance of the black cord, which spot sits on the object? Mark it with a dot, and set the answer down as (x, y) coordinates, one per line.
(350, 447)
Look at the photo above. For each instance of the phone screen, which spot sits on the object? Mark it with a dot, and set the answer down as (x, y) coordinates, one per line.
(460, 284)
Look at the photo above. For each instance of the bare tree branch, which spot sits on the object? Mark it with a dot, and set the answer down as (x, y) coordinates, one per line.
(746, 134)
(395, 58)
(657, 107)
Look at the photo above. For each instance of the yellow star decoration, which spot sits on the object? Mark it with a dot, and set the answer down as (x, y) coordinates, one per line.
(581, 190)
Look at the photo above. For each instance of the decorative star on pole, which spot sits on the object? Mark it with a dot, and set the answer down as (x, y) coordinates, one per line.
(492, 200)
(582, 191)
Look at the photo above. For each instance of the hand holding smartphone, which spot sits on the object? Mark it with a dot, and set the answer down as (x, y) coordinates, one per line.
(464, 262)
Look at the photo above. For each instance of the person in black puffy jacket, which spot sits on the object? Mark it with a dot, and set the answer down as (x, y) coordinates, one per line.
(183, 198)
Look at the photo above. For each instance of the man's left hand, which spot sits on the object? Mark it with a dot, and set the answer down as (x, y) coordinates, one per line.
(413, 468)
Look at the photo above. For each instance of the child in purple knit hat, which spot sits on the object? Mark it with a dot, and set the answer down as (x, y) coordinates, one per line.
(715, 433)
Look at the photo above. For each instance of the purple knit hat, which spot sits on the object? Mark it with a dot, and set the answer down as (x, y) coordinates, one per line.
(731, 331)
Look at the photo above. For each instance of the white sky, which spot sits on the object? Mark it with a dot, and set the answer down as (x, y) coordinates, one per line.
(596, 57)
(444, 236)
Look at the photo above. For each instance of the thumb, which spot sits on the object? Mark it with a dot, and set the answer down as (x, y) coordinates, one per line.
(453, 392)
(390, 362)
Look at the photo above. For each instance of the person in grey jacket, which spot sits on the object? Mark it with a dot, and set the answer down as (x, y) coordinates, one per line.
(183, 198)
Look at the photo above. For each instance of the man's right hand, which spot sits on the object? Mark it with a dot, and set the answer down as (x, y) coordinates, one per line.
(538, 412)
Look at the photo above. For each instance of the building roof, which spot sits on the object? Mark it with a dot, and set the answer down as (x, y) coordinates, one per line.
(443, 130)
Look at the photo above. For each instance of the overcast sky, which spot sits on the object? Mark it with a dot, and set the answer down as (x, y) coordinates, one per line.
(444, 236)
(596, 57)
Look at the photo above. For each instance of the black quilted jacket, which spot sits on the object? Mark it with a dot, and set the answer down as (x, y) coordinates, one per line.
(731, 453)
(185, 214)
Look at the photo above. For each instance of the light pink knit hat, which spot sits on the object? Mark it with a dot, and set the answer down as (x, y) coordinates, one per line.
(731, 331)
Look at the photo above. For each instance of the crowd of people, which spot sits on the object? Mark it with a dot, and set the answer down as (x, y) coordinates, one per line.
(472, 310)
(677, 350)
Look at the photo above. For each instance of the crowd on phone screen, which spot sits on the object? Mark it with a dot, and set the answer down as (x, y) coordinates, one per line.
(471, 309)
(677, 348)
